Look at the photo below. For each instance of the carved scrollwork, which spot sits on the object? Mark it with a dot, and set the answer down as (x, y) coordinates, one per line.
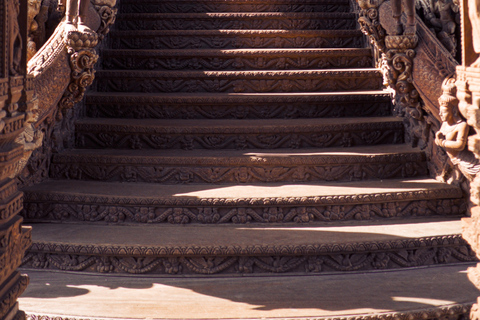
(107, 13)
(82, 60)
(370, 24)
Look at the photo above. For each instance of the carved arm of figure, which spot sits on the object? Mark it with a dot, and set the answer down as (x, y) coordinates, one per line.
(453, 138)
(409, 7)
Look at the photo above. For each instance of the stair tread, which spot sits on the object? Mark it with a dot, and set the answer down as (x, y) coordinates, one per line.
(220, 96)
(239, 157)
(352, 72)
(188, 240)
(226, 32)
(374, 295)
(233, 2)
(226, 125)
(292, 193)
(236, 52)
(210, 15)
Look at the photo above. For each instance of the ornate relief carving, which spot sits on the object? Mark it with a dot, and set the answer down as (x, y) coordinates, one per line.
(138, 137)
(36, 211)
(198, 170)
(236, 39)
(452, 136)
(370, 24)
(107, 12)
(219, 6)
(236, 60)
(306, 259)
(16, 42)
(240, 107)
(82, 60)
(451, 312)
(33, 9)
(443, 18)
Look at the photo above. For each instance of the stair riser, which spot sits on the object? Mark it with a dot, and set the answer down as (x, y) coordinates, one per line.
(224, 41)
(303, 260)
(169, 173)
(282, 23)
(125, 82)
(219, 6)
(264, 110)
(263, 62)
(369, 134)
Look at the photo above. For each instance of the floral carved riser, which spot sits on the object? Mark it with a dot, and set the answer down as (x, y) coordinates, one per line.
(206, 265)
(192, 7)
(147, 85)
(283, 24)
(451, 312)
(353, 40)
(43, 211)
(240, 142)
(245, 111)
(187, 175)
(240, 63)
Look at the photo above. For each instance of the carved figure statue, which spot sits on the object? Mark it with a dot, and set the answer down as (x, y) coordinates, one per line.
(76, 14)
(409, 7)
(454, 130)
(445, 25)
(453, 134)
(16, 44)
(33, 10)
(474, 15)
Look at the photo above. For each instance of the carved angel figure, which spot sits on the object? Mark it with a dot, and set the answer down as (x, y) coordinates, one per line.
(453, 134)
(454, 131)
(409, 7)
(76, 13)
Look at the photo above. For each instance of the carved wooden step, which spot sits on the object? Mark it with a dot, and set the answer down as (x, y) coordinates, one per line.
(230, 166)
(211, 250)
(237, 134)
(194, 6)
(114, 202)
(241, 20)
(238, 106)
(441, 292)
(239, 81)
(237, 59)
(235, 39)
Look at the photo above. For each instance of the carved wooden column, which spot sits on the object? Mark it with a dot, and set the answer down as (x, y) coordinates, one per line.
(16, 91)
(468, 93)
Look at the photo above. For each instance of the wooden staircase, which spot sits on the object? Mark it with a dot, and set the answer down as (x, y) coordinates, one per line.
(242, 137)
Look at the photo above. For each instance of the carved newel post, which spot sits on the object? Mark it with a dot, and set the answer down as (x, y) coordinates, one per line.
(397, 67)
(468, 93)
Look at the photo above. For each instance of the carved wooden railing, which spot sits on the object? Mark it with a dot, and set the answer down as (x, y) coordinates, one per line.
(435, 81)
(62, 69)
